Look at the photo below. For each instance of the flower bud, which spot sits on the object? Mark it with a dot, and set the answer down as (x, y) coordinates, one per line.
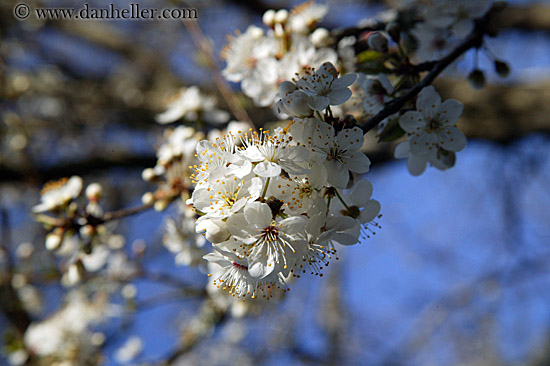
(148, 174)
(394, 30)
(378, 42)
(160, 205)
(502, 69)
(148, 198)
(320, 37)
(53, 240)
(129, 291)
(269, 18)
(281, 16)
(87, 231)
(257, 32)
(477, 79)
(94, 192)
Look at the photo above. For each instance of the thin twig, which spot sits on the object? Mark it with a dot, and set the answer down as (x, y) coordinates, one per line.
(204, 47)
(114, 215)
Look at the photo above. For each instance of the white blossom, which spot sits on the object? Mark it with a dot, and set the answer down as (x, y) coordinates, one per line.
(325, 87)
(433, 125)
(58, 194)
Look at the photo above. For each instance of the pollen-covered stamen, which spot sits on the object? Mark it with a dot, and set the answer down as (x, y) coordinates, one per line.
(368, 229)
(270, 233)
(53, 185)
(315, 260)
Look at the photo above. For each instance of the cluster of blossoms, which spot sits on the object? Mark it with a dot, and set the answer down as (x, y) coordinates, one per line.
(189, 104)
(261, 60)
(78, 235)
(443, 23)
(273, 203)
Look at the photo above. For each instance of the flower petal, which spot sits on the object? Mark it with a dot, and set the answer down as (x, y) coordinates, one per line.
(258, 215)
(371, 210)
(267, 169)
(428, 102)
(356, 162)
(452, 139)
(337, 174)
(412, 121)
(449, 111)
(361, 193)
(350, 139)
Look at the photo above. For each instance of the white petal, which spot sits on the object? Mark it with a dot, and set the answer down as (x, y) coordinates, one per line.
(318, 176)
(337, 174)
(294, 224)
(267, 169)
(255, 188)
(253, 154)
(350, 139)
(416, 164)
(371, 210)
(323, 135)
(344, 81)
(318, 102)
(361, 193)
(339, 96)
(428, 102)
(412, 121)
(402, 150)
(356, 162)
(258, 215)
(449, 111)
(261, 266)
(452, 139)
(238, 226)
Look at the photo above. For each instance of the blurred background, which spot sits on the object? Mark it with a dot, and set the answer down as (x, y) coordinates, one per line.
(459, 274)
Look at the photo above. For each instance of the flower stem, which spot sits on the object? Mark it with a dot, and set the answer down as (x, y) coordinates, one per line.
(341, 199)
(265, 188)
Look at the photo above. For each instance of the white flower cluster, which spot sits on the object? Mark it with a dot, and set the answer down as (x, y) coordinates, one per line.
(260, 60)
(272, 204)
(191, 105)
(171, 172)
(66, 334)
(444, 22)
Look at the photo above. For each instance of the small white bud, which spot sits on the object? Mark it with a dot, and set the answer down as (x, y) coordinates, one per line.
(160, 205)
(148, 174)
(269, 18)
(94, 192)
(320, 37)
(24, 250)
(148, 198)
(129, 291)
(53, 241)
(281, 16)
(256, 32)
(18, 281)
(87, 231)
(98, 339)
